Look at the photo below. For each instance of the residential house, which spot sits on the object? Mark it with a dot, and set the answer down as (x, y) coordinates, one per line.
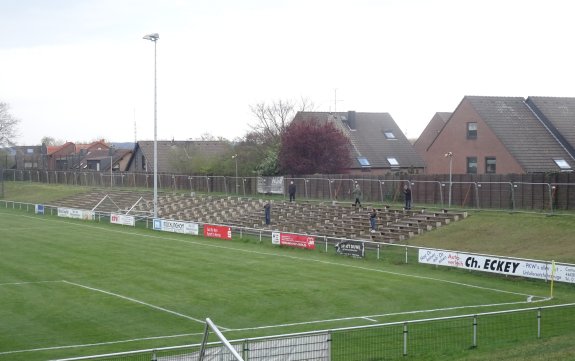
(430, 132)
(61, 157)
(175, 156)
(500, 135)
(30, 157)
(378, 145)
(97, 156)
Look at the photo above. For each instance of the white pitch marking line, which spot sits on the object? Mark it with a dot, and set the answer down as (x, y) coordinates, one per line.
(370, 317)
(137, 301)
(100, 343)
(27, 283)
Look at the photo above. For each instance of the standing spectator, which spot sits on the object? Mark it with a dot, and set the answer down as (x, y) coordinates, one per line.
(372, 219)
(268, 212)
(358, 195)
(291, 191)
(407, 193)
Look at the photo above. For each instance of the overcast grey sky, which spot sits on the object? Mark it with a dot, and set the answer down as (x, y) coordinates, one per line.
(79, 70)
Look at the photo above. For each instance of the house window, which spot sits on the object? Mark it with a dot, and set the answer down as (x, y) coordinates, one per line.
(389, 134)
(363, 162)
(393, 161)
(143, 163)
(472, 130)
(30, 151)
(472, 165)
(562, 164)
(490, 165)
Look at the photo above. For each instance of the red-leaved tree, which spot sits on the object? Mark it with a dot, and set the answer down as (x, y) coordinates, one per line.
(309, 147)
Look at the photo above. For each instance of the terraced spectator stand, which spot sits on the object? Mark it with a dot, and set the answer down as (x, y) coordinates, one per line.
(319, 218)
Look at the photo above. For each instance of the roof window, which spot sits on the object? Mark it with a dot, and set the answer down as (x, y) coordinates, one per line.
(393, 161)
(389, 134)
(363, 162)
(562, 164)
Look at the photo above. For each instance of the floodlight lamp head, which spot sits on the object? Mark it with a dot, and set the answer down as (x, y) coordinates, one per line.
(152, 37)
(449, 154)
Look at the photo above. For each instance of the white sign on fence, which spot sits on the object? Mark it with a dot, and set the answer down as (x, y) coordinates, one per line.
(271, 185)
(75, 213)
(511, 267)
(122, 219)
(176, 226)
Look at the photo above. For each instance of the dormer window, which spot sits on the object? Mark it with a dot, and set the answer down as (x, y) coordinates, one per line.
(562, 164)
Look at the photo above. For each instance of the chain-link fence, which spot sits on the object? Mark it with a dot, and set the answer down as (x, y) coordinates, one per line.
(539, 192)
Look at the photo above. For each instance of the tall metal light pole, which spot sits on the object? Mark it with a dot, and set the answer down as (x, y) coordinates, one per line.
(450, 155)
(235, 156)
(154, 37)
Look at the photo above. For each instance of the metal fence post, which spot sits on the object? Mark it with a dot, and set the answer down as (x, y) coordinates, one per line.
(405, 339)
(474, 331)
(539, 323)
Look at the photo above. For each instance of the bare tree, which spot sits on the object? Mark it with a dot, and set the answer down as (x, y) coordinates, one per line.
(8, 125)
(273, 119)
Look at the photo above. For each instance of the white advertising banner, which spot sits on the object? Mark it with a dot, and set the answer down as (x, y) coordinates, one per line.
(511, 267)
(123, 219)
(75, 213)
(271, 185)
(176, 226)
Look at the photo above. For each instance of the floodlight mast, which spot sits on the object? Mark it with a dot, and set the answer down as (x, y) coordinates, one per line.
(154, 37)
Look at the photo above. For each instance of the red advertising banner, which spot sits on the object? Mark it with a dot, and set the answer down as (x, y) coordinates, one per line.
(293, 240)
(222, 232)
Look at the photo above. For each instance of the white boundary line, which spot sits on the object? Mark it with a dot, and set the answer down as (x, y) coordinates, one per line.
(100, 343)
(27, 283)
(371, 317)
(138, 302)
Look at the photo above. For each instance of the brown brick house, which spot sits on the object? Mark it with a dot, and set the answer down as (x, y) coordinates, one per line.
(501, 135)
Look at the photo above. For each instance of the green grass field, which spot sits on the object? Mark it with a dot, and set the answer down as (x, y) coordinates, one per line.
(70, 288)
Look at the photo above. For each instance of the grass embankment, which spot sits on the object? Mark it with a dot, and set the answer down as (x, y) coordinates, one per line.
(523, 235)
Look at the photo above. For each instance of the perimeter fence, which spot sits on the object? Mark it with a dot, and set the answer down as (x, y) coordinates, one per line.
(416, 339)
(546, 192)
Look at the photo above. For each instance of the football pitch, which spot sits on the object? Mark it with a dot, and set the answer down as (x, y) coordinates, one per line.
(71, 288)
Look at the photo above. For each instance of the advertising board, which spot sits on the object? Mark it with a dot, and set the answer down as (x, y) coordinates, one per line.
(213, 231)
(492, 264)
(167, 225)
(293, 240)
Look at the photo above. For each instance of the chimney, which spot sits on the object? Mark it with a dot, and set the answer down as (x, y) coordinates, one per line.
(351, 119)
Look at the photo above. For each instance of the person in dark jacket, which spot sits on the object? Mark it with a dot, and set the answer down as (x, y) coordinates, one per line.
(268, 212)
(407, 194)
(291, 191)
(372, 220)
